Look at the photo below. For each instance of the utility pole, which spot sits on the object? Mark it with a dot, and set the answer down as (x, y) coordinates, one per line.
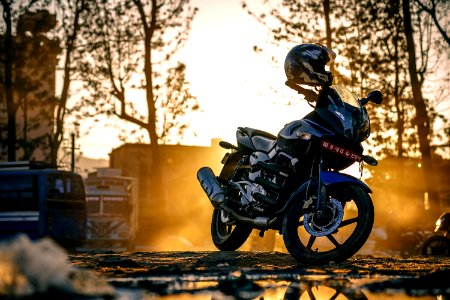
(72, 161)
(73, 135)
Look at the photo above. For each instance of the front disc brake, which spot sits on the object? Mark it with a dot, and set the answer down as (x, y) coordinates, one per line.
(334, 212)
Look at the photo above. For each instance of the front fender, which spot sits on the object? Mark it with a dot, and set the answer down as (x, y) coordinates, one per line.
(328, 178)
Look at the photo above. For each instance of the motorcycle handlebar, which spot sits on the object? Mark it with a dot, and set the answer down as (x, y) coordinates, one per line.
(309, 94)
(374, 96)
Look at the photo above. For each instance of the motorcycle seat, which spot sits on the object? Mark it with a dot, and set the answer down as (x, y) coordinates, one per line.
(262, 141)
(251, 132)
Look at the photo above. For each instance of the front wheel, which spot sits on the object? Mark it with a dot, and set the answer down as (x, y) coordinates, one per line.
(226, 233)
(338, 234)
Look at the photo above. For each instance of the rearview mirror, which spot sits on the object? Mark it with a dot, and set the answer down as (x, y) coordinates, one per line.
(375, 96)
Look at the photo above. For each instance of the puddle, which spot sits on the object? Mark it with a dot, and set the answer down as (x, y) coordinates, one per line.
(274, 287)
(41, 270)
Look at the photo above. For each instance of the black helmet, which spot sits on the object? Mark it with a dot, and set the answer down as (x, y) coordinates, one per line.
(305, 64)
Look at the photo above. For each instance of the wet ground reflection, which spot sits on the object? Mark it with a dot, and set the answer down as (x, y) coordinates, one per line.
(41, 270)
(308, 287)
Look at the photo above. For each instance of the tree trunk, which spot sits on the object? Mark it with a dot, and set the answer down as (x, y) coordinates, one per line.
(11, 106)
(157, 187)
(326, 13)
(58, 135)
(421, 119)
(398, 105)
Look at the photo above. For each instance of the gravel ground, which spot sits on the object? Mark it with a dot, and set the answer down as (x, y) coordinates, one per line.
(252, 274)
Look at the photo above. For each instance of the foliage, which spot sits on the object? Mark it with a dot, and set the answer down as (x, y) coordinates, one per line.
(27, 100)
(113, 66)
(103, 45)
(368, 37)
(37, 38)
(127, 68)
(177, 101)
(72, 16)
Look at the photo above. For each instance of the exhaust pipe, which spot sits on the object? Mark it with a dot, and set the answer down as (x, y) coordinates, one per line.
(217, 197)
(211, 187)
(258, 221)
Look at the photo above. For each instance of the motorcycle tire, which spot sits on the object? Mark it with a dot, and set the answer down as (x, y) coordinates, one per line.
(436, 245)
(342, 242)
(228, 235)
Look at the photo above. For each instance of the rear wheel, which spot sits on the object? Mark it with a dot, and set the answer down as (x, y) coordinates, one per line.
(344, 228)
(226, 233)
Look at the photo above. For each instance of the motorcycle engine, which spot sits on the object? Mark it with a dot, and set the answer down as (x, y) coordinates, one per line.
(257, 195)
(249, 188)
(254, 159)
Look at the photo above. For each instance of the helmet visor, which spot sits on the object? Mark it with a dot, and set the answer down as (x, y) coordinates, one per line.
(330, 53)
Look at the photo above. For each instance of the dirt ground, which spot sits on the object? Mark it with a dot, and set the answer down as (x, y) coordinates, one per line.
(245, 274)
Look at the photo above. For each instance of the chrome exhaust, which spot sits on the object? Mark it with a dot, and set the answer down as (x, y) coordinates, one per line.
(216, 195)
(211, 186)
(258, 221)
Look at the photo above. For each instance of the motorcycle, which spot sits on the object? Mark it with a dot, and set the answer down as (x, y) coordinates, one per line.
(292, 183)
(438, 243)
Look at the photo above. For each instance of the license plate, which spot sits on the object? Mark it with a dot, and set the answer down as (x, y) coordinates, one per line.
(341, 151)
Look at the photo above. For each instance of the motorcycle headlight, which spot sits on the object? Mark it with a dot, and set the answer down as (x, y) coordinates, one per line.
(303, 135)
(363, 127)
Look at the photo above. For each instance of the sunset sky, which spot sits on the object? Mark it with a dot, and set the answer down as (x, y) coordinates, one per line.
(234, 85)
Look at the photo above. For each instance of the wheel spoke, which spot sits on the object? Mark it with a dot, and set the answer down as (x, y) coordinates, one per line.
(310, 242)
(335, 295)
(348, 222)
(333, 240)
(311, 294)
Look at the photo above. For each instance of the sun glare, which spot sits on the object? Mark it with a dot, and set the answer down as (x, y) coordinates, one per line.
(234, 85)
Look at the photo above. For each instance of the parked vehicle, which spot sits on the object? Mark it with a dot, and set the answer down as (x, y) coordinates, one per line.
(112, 209)
(438, 243)
(42, 201)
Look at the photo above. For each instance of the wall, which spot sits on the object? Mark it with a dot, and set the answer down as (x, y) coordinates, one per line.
(187, 211)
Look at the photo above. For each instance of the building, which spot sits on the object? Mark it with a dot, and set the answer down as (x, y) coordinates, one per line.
(399, 192)
(34, 75)
(185, 199)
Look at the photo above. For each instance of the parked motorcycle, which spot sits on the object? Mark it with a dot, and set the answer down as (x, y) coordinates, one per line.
(439, 242)
(292, 182)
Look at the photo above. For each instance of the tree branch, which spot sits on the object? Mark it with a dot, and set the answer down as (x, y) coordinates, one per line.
(432, 12)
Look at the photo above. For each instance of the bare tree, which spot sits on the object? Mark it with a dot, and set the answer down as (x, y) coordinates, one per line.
(422, 120)
(131, 48)
(438, 10)
(72, 15)
(373, 37)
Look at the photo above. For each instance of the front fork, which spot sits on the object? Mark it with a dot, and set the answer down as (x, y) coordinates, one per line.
(321, 193)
